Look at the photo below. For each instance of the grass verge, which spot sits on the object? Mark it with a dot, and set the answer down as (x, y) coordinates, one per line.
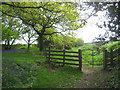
(29, 70)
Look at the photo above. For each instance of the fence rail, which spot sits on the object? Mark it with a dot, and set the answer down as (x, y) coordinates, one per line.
(64, 57)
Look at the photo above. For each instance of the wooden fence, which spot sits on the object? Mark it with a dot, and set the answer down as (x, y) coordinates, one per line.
(109, 58)
(93, 61)
(63, 55)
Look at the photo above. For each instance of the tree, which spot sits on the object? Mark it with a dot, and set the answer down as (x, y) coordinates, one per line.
(10, 31)
(111, 21)
(79, 42)
(44, 16)
(29, 36)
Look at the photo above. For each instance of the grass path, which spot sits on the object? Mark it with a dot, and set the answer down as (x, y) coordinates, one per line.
(93, 78)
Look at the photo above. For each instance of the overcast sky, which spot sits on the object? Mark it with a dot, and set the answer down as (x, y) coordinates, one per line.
(90, 31)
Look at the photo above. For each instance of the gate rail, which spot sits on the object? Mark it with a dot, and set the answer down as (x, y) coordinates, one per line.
(63, 57)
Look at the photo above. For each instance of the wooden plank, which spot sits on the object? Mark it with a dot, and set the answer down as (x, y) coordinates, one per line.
(85, 64)
(65, 59)
(56, 58)
(55, 51)
(63, 55)
(71, 55)
(71, 59)
(56, 55)
(62, 51)
(91, 64)
(80, 59)
(72, 63)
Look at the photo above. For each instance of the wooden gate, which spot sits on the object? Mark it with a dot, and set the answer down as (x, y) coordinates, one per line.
(92, 57)
(65, 57)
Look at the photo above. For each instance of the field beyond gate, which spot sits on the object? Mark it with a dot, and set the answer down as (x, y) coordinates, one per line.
(65, 57)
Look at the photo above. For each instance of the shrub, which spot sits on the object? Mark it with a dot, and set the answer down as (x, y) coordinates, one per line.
(114, 80)
(112, 46)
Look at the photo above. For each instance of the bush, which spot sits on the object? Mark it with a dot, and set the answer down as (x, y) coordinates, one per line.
(114, 80)
(112, 46)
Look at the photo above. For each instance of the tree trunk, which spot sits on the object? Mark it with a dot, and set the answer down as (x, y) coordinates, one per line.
(41, 47)
(8, 45)
(28, 46)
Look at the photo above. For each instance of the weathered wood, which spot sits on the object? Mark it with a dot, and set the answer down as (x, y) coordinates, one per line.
(56, 58)
(63, 55)
(56, 54)
(65, 59)
(62, 51)
(72, 63)
(70, 52)
(54, 51)
(80, 59)
(111, 57)
(105, 59)
(71, 59)
(71, 56)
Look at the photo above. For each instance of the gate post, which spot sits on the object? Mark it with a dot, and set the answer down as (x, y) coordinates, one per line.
(80, 59)
(111, 57)
(105, 60)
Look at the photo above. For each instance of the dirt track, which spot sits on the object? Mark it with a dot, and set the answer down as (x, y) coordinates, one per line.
(93, 79)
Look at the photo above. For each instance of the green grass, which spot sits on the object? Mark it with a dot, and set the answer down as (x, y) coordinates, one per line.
(61, 78)
(39, 74)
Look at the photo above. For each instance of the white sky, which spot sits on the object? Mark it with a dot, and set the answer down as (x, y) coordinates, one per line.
(90, 31)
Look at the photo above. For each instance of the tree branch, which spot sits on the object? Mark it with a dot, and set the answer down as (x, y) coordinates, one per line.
(4, 3)
(53, 33)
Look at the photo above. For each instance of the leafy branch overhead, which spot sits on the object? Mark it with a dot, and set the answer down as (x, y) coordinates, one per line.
(44, 15)
(56, 17)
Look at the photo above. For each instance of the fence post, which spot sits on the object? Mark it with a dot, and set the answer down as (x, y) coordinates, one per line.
(80, 59)
(111, 57)
(49, 55)
(105, 58)
(64, 57)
